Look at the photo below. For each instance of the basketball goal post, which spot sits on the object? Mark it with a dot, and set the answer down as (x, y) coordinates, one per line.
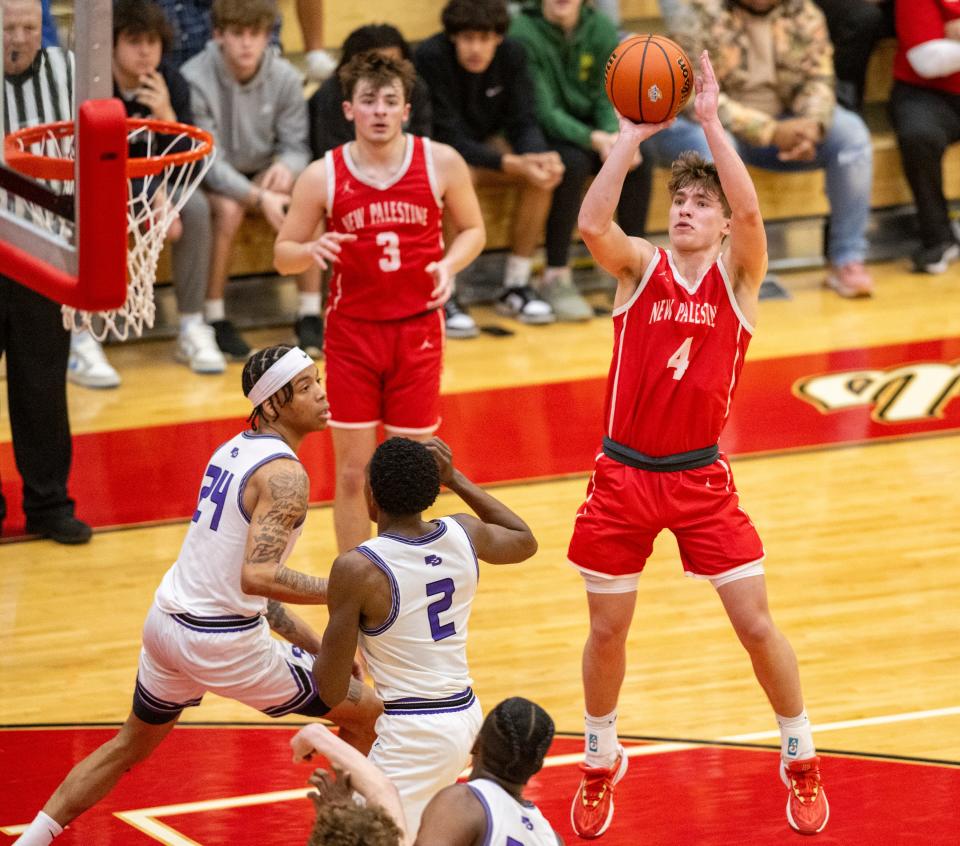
(87, 271)
(82, 221)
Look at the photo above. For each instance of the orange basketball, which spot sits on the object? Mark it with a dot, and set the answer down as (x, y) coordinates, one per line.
(648, 78)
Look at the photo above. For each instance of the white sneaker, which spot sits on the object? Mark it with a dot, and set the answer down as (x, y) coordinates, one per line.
(87, 365)
(564, 298)
(197, 347)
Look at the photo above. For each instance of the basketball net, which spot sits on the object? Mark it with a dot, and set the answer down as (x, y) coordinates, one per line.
(167, 163)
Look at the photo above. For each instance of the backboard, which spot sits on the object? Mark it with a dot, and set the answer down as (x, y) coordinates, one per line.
(65, 239)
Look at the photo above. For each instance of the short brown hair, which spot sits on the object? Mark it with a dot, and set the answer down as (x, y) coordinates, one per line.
(141, 17)
(378, 69)
(690, 168)
(349, 824)
(258, 14)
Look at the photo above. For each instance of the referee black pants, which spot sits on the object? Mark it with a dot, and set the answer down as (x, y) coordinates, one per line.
(36, 347)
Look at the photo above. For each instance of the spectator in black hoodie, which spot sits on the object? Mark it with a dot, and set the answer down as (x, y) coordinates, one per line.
(483, 100)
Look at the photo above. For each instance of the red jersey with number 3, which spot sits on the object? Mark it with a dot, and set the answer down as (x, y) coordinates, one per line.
(383, 274)
(678, 351)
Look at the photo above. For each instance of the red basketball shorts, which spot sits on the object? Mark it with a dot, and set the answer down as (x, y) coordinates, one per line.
(627, 508)
(384, 372)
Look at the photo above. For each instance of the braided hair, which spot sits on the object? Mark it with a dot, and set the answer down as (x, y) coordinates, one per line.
(514, 739)
(258, 364)
(404, 477)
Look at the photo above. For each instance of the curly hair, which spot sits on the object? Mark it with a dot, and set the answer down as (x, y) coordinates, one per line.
(690, 168)
(141, 17)
(404, 477)
(258, 364)
(378, 70)
(475, 16)
(514, 739)
(349, 824)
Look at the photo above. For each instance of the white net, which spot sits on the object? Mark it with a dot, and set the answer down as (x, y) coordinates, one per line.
(153, 212)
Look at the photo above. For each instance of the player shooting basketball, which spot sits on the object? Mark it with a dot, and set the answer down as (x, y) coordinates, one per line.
(683, 318)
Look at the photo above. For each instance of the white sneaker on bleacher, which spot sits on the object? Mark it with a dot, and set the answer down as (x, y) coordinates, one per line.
(197, 347)
(87, 365)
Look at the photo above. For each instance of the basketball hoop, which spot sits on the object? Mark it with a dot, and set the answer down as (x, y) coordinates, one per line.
(166, 162)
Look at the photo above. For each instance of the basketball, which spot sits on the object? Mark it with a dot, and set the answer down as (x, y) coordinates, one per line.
(648, 78)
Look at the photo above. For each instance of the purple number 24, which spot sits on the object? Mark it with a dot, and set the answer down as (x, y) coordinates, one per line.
(216, 492)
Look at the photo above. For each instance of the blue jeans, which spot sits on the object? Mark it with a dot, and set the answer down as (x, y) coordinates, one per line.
(846, 154)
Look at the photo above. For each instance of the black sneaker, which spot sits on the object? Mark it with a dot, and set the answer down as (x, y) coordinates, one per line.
(458, 323)
(62, 528)
(525, 305)
(230, 341)
(309, 329)
(935, 259)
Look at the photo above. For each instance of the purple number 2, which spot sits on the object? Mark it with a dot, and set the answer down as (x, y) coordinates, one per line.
(445, 587)
(216, 492)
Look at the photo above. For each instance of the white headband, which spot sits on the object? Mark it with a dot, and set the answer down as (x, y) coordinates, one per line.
(278, 374)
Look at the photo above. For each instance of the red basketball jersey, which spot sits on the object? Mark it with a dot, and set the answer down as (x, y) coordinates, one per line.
(677, 355)
(382, 275)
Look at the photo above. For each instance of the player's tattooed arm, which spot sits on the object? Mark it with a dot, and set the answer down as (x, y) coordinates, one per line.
(281, 491)
(291, 627)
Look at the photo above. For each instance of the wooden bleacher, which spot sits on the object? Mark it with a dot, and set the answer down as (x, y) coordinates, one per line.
(783, 196)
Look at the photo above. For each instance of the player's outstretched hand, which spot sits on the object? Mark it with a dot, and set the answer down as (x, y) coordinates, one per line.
(326, 249)
(443, 289)
(443, 455)
(708, 90)
(331, 787)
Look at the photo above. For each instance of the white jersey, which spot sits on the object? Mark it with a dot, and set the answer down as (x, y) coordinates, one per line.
(510, 821)
(420, 651)
(205, 579)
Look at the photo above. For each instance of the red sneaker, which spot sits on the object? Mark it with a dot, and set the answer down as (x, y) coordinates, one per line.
(807, 806)
(592, 809)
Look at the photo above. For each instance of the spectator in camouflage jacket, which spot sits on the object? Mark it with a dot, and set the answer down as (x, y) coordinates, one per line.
(774, 63)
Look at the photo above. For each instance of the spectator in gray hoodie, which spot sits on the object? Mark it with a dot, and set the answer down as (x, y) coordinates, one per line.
(251, 100)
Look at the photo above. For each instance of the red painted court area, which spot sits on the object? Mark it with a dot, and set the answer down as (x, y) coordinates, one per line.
(141, 475)
(701, 795)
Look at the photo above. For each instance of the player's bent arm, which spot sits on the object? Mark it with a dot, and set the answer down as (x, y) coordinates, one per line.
(622, 256)
(333, 665)
(276, 499)
(460, 201)
(291, 627)
(291, 251)
(499, 536)
(365, 777)
(454, 817)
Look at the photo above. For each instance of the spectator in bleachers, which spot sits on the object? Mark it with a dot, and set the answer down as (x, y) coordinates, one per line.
(193, 28)
(568, 44)
(251, 100)
(774, 63)
(855, 28)
(149, 88)
(483, 108)
(925, 109)
(329, 126)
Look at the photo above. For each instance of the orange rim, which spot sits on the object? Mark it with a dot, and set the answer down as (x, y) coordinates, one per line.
(61, 169)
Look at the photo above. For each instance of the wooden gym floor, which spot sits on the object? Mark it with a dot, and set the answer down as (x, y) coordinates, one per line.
(845, 444)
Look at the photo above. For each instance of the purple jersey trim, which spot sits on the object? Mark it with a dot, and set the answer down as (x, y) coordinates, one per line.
(257, 466)
(488, 834)
(394, 592)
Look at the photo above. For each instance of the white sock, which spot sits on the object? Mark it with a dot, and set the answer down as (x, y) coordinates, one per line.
(188, 321)
(81, 337)
(213, 310)
(600, 739)
(517, 272)
(40, 832)
(796, 737)
(308, 304)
